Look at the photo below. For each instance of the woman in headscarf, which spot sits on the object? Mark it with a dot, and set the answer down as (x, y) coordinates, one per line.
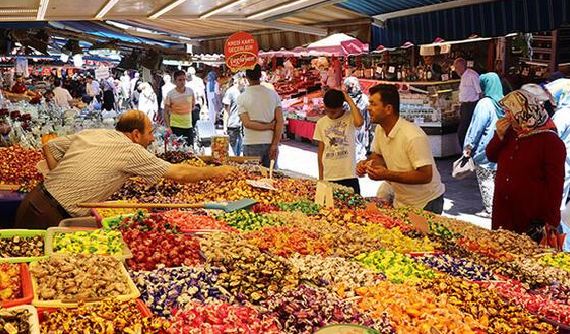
(148, 102)
(480, 132)
(530, 166)
(352, 87)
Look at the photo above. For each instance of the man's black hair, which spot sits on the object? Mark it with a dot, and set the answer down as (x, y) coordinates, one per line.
(333, 98)
(255, 74)
(388, 95)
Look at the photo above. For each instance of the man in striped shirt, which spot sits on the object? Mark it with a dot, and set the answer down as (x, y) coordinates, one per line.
(92, 164)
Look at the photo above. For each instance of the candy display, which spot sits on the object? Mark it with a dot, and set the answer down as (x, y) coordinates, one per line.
(396, 267)
(335, 273)
(457, 267)
(306, 309)
(18, 167)
(396, 241)
(14, 321)
(493, 312)
(245, 220)
(223, 318)
(415, 311)
(100, 241)
(167, 289)
(154, 242)
(560, 260)
(110, 316)
(76, 277)
(302, 206)
(176, 157)
(220, 149)
(19, 246)
(10, 281)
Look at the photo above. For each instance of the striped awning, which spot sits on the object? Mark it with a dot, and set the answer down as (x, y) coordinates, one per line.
(491, 19)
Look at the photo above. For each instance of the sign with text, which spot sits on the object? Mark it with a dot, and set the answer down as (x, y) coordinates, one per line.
(241, 51)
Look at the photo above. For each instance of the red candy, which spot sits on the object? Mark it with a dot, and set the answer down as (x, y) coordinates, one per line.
(18, 166)
(287, 240)
(189, 221)
(10, 282)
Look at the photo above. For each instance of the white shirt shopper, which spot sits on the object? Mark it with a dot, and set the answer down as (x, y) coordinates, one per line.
(469, 88)
(62, 97)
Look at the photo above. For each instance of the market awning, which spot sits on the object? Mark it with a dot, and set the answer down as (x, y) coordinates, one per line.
(339, 45)
(489, 19)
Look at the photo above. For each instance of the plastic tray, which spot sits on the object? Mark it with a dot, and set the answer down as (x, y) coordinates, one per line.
(145, 312)
(22, 233)
(99, 218)
(53, 230)
(79, 222)
(27, 290)
(57, 303)
(33, 320)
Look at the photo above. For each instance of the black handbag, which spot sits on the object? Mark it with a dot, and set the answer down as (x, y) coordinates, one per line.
(537, 230)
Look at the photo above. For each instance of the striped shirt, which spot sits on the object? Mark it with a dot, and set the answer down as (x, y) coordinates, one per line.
(93, 164)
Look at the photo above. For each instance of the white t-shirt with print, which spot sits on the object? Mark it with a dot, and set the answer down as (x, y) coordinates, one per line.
(404, 149)
(339, 155)
(259, 103)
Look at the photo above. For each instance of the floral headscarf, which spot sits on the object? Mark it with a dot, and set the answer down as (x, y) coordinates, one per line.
(527, 113)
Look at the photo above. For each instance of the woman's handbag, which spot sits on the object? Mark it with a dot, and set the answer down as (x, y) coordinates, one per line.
(462, 167)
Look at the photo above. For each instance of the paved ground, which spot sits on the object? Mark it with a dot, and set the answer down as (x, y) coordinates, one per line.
(462, 197)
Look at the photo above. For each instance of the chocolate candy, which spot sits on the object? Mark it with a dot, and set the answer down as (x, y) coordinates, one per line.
(18, 246)
(14, 321)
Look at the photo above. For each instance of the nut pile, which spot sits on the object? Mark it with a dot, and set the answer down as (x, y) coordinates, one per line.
(77, 277)
(166, 289)
(18, 246)
(110, 316)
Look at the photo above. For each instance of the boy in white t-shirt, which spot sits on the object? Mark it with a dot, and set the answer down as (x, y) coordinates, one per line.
(336, 136)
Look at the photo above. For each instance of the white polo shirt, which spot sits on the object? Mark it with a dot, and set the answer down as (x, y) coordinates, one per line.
(407, 148)
(469, 87)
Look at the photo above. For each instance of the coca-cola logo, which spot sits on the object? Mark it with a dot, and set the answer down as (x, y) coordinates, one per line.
(242, 60)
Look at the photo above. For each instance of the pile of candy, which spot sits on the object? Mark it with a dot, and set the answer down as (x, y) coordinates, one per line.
(396, 267)
(493, 312)
(224, 318)
(10, 281)
(167, 289)
(14, 321)
(18, 167)
(190, 221)
(415, 311)
(112, 212)
(154, 241)
(100, 241)
(176, 157)
(109, 316)
(560, 260)
(305, 207)
(395, 240)
(287, 240)
(79, 277)
(244, 220)
(306, 309)
(18, 246)
(457, 267)
(364, 217)
(335, 273)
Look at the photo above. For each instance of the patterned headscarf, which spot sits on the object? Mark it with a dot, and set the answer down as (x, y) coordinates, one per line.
(526, 112)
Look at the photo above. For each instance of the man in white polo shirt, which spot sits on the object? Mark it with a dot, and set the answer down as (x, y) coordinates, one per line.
(401, 155)
(469, 95)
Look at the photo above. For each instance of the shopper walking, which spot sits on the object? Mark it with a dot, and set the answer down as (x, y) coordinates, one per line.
(352, 87)
(213, 96)
(148, 102)
(92, 89)
(530, 165)
(260, 112)
(469, 94)
(62, 97)
(77, 174)
(481, 131)
(178, 106)
(232, 123)
(401, 155)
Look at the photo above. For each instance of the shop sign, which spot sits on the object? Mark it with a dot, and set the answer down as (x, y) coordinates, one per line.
(241, 51)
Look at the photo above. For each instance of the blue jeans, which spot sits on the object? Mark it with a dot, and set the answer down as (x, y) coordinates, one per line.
(236, 140)
(259, 150)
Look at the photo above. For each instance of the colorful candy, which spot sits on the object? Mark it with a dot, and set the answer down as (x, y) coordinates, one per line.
(18, 167)
(457, 267)
(287, 240)
(10, 281)
(396, 267)
(244, 220)
(100, 241)
(190, 221)
(18, 246)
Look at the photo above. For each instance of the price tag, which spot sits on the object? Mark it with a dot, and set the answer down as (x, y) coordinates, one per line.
(420, 223)
(470, 63)
(444, 77)
(391, 69)
(324, 195)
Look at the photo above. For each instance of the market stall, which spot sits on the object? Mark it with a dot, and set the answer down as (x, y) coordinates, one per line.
(287, 265)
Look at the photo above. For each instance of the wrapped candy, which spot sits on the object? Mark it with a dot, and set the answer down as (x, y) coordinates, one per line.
(10, 281)
(457, 267)
(396, 267)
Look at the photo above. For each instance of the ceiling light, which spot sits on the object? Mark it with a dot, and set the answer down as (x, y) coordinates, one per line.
(221, 9)
(275, 9)
(17, 10)
(17, 18)
(166, 9)
(42, 10)
(110, 4)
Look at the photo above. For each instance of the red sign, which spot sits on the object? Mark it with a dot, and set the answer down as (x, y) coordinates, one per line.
(241, 51)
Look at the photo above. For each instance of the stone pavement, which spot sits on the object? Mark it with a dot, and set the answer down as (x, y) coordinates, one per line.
(462, 197)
